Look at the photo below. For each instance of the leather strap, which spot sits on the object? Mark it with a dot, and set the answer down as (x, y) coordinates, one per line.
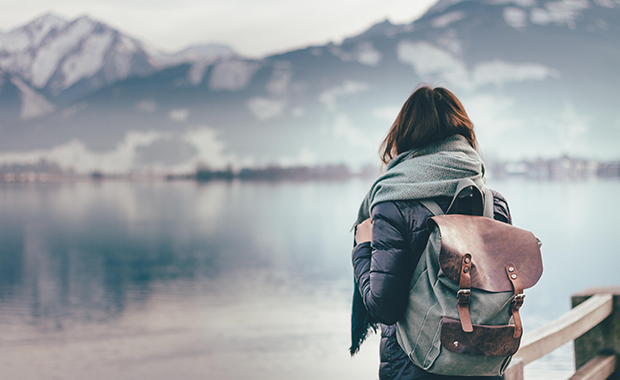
(517, 301)
(488, 203)
(432, 206)
(465, 187)
(464, 294)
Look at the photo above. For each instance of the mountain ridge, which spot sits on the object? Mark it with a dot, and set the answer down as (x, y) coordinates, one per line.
(65, 60)
(537, 78)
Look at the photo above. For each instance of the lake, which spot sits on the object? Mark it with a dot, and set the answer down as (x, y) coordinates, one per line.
(237, 280)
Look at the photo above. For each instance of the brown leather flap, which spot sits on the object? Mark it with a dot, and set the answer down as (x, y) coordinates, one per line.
(483, 341)
(492, 245)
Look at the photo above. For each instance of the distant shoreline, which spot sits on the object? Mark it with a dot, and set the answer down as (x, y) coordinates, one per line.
(563, 168)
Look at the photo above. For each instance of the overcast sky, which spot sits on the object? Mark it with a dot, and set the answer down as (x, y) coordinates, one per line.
(252, 27)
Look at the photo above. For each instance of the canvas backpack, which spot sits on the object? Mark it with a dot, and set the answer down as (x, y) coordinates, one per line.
(462, 316)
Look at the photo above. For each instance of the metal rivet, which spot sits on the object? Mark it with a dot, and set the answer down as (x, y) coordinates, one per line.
(511, 269)
(467, 260)
(465, 270)
(456, 343)
(506, 348)
(514, 276)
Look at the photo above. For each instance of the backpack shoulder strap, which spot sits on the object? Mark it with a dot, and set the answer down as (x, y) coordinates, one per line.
(432, 206)
(467, 188)
(488, 202)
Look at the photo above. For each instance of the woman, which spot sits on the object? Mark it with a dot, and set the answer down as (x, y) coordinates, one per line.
(429, 148)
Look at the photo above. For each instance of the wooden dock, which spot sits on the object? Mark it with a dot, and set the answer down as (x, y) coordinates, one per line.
(594, 325)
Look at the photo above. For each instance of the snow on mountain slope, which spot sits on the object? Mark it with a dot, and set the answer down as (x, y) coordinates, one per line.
(88, 60)
(33, 103)
(200, 56)
(537, 77)
(53, 55)
(31, 34)
(232, 75)
(196, 53)
(58, 57)
(49, 54)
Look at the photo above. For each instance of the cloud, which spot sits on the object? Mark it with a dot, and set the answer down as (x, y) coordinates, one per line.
(75, 108)
(305, 157)
(343, 128)
(266, 108)
(521, 3)
(499, 72)
(559, 12)
(349, 87)
(298, 112)
(178, 114)
(489, 113)
(138, 150)
(211, 151)
(75, 155)
(280, 78)
(232, 75)
(569, 126)
(165, 152)
(147, 105)
(386, 113)
(366, 54)
(263, 27)
(432, 63)
(447, 19)
(515, 17)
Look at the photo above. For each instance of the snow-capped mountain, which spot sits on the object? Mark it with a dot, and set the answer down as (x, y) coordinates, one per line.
(56, 61)
(62, 59)
(538, 78)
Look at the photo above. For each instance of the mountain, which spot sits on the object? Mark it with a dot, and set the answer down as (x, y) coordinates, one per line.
(538, 78)
(206, 53)
(62, 61)
(67, 60)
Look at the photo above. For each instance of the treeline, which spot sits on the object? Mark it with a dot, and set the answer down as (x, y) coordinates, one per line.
(277, 173)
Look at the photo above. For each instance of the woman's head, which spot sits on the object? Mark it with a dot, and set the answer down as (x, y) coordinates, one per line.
(429, 115)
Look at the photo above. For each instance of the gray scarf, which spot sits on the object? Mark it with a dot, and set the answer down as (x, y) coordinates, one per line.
(428, 172)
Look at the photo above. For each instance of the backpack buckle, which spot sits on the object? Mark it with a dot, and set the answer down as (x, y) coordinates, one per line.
(463, 296)
(517, 301)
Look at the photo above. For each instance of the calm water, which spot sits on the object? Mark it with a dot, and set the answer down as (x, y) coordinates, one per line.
(236, 280)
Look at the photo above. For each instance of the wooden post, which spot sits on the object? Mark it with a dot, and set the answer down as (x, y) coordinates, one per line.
(603, 338)
(514, 370)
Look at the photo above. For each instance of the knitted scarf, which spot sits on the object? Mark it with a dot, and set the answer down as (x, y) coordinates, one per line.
(428, 172)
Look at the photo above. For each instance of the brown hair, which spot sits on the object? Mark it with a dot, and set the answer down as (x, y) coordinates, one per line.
(428, 115)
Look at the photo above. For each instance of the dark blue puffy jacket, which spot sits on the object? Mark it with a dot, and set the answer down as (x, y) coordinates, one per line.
(383, 273)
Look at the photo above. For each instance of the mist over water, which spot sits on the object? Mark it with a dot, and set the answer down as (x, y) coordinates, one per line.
(236, 280)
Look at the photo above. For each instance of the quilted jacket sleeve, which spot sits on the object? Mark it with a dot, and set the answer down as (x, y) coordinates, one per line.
(501, 211)
(383, 268)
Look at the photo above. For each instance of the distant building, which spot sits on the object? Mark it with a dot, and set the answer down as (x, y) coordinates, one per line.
(564, 167)
(609, 170)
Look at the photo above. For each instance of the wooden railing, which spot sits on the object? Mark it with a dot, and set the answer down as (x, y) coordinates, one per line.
(594, 325)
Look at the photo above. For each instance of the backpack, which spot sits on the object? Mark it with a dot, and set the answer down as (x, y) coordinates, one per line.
(462, 316)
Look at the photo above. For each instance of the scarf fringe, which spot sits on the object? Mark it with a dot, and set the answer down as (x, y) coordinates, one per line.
(361, 322)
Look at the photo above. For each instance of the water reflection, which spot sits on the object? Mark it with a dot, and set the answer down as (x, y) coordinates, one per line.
(233, 280)
(78, 250)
